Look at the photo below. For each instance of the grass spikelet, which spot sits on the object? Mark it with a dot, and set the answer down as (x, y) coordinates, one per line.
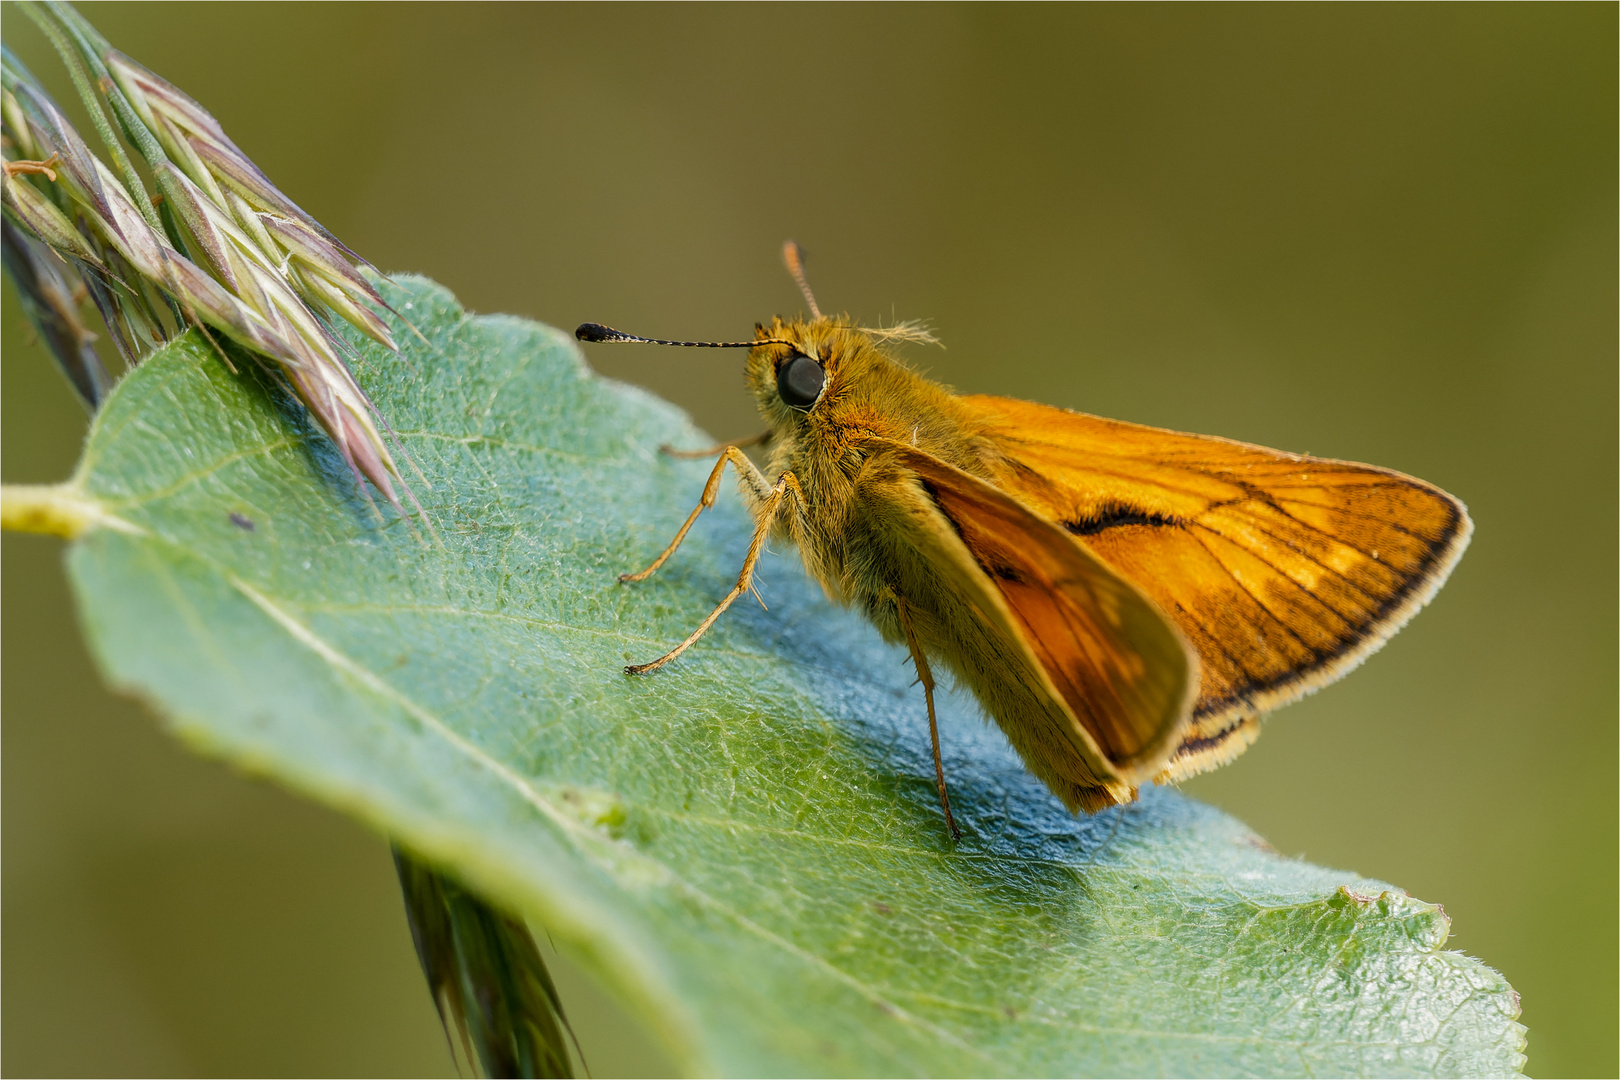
(218, 246)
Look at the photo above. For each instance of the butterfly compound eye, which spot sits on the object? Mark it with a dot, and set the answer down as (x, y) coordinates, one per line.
(799, 381)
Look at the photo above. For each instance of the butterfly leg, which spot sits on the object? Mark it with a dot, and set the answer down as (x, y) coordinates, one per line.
(718, 448)
(925, 675)
(750, 473)
(764, 518)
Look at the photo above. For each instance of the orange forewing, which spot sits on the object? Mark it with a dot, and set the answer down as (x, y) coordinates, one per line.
(1283, 570)
(1125, 674)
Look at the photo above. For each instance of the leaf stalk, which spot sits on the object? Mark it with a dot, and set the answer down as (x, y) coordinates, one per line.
(55, 510)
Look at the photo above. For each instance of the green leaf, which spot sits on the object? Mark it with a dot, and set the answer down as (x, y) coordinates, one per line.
(744, 848)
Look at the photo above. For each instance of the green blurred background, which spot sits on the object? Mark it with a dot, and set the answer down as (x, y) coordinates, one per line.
(1384, 233)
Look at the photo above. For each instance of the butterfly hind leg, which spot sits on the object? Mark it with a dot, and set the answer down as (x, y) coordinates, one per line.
(925, 675)
(764, 518)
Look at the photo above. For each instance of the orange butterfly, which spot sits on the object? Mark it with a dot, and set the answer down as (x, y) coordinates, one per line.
(1124, 601)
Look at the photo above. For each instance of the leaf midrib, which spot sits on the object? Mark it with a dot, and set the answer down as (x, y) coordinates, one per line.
(567, 824)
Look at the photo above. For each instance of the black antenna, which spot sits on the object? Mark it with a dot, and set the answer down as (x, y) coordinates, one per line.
(593, 331)
(793, 255)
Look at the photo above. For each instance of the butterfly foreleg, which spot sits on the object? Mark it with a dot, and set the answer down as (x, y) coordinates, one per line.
(925, 675)
(759, 489)
(786, 487)
(718, 448)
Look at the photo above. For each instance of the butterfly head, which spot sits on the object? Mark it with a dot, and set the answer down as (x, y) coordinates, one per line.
(797, 366)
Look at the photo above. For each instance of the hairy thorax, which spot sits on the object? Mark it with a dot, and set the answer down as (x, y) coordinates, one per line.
(837, 456)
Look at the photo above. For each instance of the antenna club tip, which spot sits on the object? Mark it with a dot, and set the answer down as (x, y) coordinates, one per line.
(593, 331)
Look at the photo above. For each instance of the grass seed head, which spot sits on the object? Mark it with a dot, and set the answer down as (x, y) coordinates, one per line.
(235, 254)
